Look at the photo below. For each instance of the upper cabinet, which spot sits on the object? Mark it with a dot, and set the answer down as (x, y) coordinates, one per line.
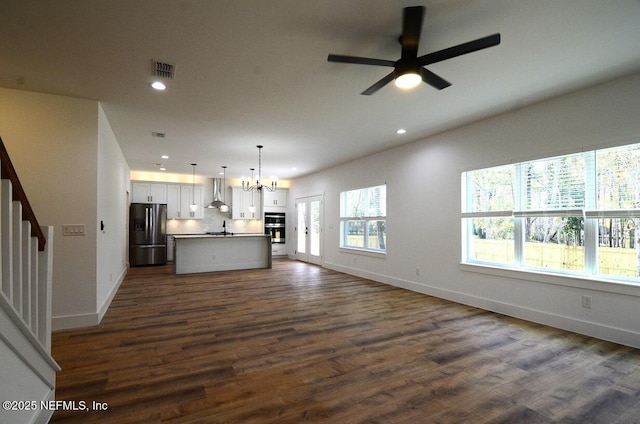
(177, 197)
(145, 192)
(179, 200)
(275, 200)
(188, 196)
(173, 201)
(241, 201)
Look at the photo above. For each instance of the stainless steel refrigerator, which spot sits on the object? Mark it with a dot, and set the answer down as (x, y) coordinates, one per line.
(147, 234)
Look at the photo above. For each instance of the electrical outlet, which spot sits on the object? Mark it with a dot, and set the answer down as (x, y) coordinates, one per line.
(417, 271)
(586, 301)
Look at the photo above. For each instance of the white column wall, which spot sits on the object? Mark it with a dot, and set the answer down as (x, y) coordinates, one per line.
(73, 172)
(113, 185)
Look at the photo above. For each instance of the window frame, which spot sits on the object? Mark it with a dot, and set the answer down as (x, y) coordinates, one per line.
(588, 212)
(365, 217)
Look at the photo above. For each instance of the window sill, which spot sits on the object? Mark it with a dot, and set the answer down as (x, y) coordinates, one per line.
(364, 252)
(566, 280)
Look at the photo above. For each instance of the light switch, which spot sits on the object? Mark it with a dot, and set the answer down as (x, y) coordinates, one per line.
(73, 230)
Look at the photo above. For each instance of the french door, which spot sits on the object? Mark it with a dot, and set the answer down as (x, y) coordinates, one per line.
(309, 229)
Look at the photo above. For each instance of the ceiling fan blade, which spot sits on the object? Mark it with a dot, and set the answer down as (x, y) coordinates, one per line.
(411, 30)
(359, 60)
(433, 79)
(459, 50)
(377, 86)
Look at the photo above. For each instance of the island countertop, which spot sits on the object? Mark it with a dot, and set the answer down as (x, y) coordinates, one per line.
(216, 235)
(221, 252)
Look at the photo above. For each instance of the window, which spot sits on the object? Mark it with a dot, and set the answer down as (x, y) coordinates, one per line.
(616, 220)
(575, 214)
(552, 193)
(488, 222)
(363, 223)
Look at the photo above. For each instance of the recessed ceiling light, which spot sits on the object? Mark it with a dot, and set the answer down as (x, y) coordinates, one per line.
(401, 131)
(163, 169)
(158, 134)
(164, 157)
(158, 85)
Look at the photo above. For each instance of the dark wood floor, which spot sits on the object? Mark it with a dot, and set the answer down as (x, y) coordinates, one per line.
(299, 343)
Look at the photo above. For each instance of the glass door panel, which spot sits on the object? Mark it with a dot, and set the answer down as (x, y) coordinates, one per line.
(302, 228)
(309, 229)
(314, 230)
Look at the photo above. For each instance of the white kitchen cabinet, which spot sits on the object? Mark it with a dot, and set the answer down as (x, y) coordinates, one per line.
(240, 202)
(274, 201)
(278, 249)
(146, 192)
(173, 201)
(179, 199)
(171, 245)
(186, 199)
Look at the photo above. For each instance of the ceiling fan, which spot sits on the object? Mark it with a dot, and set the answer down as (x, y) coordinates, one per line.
(409, 71)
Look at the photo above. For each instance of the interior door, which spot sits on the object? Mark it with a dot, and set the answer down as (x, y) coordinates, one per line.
(309, 229)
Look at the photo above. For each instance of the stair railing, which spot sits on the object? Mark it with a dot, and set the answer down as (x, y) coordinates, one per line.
(9, 172)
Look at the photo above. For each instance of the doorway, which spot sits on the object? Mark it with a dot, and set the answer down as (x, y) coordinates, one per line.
(309, 229)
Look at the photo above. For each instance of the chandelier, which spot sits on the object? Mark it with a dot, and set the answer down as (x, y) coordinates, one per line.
(246, 185)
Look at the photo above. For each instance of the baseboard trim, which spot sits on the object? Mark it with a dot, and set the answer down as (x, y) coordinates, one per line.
(67, 322)
(592, 329)
(105, 305)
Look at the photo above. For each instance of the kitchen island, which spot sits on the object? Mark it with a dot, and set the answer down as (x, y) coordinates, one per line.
(221, 252)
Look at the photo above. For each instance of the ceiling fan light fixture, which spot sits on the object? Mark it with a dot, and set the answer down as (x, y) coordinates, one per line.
(409, 70)
(408, 80)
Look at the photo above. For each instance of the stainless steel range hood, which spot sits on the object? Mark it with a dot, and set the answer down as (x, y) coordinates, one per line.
(217, 202)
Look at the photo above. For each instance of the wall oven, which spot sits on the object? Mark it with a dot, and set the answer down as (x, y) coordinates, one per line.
(275, 226)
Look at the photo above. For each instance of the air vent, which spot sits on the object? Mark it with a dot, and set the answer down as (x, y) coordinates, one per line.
(157, 134)
(163, 69)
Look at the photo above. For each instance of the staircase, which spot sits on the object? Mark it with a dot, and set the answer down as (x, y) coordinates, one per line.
(27, 370)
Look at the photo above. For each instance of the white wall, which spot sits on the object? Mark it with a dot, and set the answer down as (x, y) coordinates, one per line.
(423, 210)
(55, 143)
(52, 144)
(113, 190)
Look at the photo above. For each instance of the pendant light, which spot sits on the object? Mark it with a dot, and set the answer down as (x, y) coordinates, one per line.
(224, 208)
(193, 207)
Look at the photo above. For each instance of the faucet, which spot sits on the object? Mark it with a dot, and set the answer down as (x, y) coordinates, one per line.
(224, 227)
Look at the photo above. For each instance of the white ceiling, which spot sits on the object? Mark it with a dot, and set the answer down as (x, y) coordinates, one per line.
(254, 72)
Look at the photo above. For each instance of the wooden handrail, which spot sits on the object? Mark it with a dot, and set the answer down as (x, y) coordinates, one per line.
(9, 172)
